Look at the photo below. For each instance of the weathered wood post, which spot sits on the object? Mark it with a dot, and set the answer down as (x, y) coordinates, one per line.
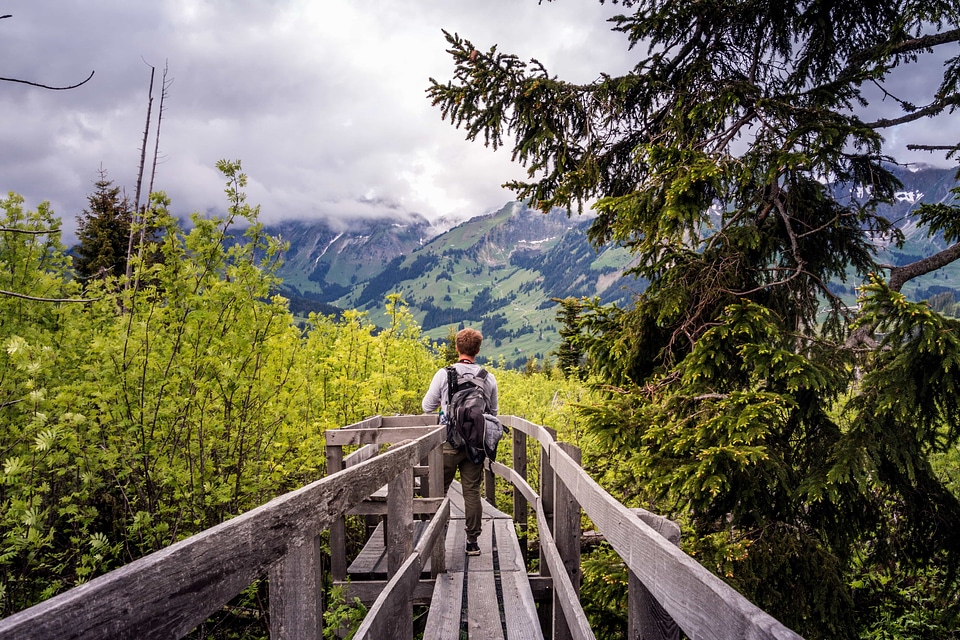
(545, 606)
(338, 530)
(646, 619)
(520, 509)
(566, 533)
(296, 593)
(399, 536)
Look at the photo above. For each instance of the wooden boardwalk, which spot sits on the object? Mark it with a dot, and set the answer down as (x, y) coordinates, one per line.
(485, 596)
(169, 593)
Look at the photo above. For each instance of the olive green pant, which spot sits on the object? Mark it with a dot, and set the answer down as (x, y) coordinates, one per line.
(470, 476)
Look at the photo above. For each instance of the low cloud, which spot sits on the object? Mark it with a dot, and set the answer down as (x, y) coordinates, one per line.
(324, 103)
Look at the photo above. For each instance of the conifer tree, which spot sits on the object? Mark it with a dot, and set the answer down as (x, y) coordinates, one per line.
(793, 433)
(569, 353)
(449, 353)
(102, 231)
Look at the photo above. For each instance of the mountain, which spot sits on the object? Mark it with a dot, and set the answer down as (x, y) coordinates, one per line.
(489, 272)
(326, 261)
(501, 271)
(498, 271)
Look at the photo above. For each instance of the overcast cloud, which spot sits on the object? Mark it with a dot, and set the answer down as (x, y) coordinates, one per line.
(322, 100)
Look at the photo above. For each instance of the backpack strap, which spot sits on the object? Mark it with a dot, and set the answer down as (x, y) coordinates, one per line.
(451, 382)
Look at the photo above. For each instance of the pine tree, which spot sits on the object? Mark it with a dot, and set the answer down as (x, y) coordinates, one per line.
(793, 433)
(569, 353)
(449, 353)
(103, 230)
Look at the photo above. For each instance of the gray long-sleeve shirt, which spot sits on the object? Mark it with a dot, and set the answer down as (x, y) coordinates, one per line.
(438, 394)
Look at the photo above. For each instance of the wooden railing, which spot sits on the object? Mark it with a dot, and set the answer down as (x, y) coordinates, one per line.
(169, 593)
(669, 589)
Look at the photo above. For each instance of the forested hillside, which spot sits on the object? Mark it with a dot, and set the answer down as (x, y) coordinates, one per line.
(503, 270)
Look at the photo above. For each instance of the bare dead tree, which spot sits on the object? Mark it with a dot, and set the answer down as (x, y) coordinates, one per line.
(143, 157)
(164, 86)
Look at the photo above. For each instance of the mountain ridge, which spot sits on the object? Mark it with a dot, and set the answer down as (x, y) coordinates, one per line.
(501, 270)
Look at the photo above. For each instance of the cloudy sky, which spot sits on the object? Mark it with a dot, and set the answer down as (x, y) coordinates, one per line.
(322, 100)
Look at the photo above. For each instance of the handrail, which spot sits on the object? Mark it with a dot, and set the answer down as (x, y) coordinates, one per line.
(155, 597)
(703, 605)
(382, 619)
(569, 601)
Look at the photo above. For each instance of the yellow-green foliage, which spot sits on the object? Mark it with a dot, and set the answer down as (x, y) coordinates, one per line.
(161, 407)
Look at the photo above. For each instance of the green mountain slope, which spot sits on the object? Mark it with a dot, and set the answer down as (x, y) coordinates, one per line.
(500, 271)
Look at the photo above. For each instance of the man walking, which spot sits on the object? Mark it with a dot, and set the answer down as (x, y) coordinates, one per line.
(438, 395)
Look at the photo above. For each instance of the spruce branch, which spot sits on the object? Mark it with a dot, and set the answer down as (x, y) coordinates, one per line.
(932, 109)
(900, 275)
(46, 86)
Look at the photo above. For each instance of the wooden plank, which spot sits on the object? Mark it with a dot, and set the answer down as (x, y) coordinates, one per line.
(360, 455)
(566, 534)
(168, 593)
(703, 605)
(443, 619)
(521, 511)
(420, 420)
(483, 610)
(420, 506)
(545, 515)
(296, 593)
(646, 617)
(369, 590)
(484, 561)
(438, 560)
(399, 524)
(391, 435)
(455, 544)
(338, 529)
(367, 423)
(508, 547)
(435, 478)
(519, 607)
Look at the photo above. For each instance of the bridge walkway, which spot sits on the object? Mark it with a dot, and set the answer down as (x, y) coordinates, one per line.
(485, 596)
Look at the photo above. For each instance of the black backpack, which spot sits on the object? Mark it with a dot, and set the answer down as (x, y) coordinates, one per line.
(468, 422)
